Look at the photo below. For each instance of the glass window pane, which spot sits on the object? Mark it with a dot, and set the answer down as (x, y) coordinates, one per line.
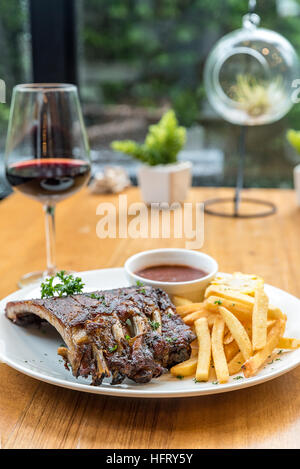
(138, 57)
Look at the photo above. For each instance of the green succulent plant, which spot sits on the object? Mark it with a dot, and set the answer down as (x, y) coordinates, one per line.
(162, 143)
(293, 137)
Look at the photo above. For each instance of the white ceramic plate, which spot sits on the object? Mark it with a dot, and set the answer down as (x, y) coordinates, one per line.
(33, 351)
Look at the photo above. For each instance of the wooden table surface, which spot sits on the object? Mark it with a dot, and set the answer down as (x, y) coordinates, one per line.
(38, 415)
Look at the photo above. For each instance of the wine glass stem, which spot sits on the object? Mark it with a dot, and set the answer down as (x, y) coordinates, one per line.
(50, 238)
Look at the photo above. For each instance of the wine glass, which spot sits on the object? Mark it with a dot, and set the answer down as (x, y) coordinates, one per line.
(47, 152)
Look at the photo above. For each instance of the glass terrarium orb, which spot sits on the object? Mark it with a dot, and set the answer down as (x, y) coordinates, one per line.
(248, 74)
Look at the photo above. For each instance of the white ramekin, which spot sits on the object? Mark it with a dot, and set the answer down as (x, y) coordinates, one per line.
(193, 290)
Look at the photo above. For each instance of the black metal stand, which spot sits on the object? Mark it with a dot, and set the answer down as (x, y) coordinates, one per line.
(237, 200)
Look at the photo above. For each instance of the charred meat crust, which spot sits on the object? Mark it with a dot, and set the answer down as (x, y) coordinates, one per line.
(126, 332)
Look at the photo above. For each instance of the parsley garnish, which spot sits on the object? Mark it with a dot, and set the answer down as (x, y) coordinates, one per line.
(179, 377)
(141, 284)
(196, 381)
(238, 377)
(215, 382)
(171, 339)
(218, 302)
(113, 349)
(155, 325)
(95, 297)
(127, 337)
(68, 285)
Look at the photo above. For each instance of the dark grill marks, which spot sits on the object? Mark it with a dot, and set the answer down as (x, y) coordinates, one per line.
(127, 332)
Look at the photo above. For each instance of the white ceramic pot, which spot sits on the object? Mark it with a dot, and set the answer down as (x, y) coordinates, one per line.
(165, 183)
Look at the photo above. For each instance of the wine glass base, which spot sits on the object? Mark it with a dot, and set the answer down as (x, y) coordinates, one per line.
(30, 278)
(35, 277)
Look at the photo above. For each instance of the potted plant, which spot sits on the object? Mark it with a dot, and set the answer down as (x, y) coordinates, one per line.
(161, 177)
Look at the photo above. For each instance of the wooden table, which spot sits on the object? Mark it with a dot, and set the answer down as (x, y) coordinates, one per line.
(38, 415)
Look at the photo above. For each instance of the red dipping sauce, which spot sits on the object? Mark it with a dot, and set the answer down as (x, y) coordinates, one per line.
(171, 273)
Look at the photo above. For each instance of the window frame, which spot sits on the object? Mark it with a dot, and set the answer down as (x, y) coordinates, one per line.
(54, 43)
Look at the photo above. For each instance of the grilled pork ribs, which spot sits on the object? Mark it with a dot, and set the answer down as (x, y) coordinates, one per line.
(127, 332)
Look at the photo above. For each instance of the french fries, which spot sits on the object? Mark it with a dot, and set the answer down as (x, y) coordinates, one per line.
(228, 338)
(248, 301)
(186, 368)
(236, 328)
(218, 353)
(204, 355)
(242, 283)
(183, 310)
(252, 365)
(238, 332)
(192, 317)
(288, 343)
(179, 301)
(259, 319)
(231, 350)
(235, 364)
(240, 310)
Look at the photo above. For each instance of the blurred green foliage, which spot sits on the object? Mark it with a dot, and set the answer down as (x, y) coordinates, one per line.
(13, 23)
(167, 41)
(13, 16)
(293, 137)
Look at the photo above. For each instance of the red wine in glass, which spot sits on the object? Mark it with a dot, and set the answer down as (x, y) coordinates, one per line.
(50, 179)
(47, 152)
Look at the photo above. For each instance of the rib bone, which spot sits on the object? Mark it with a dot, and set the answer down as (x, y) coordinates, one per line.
(157, 318)
(102, 369)
(140, 325)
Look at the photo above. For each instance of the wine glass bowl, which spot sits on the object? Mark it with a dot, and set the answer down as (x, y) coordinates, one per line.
(47, 152)
(48, 180)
